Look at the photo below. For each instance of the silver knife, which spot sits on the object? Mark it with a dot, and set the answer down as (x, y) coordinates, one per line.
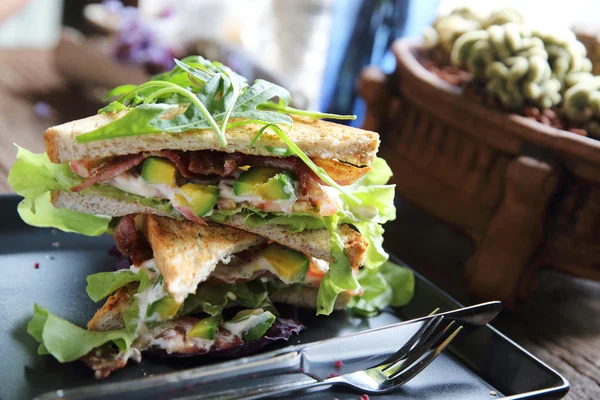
(312, 358)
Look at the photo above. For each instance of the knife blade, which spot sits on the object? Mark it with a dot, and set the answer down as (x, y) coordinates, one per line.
(313, 359)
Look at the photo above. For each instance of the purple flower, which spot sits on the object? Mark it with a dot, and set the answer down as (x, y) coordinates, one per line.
(42, 110)
(113, 7)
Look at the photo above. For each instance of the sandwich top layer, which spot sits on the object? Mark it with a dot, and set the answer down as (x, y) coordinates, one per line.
(318, 139)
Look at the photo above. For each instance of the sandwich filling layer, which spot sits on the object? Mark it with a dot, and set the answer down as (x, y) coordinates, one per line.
(196, 183)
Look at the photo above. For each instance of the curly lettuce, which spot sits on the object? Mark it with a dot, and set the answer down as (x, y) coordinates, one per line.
(389, 285)
(68, 342)
(33, 176)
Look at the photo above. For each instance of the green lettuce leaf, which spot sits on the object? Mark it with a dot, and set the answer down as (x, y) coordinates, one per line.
(68, 342)
(213, 299)
(339, 277)
(103, 284)
(34, 174)
(47, 216)
(389, 285)
(379, 174)
(295, 223)
(373, 234)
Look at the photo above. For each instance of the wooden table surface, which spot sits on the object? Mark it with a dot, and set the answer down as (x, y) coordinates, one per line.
(560, 323)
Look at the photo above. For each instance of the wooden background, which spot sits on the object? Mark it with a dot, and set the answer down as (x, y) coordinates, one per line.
(560, 323)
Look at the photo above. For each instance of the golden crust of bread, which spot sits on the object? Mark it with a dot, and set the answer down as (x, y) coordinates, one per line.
(186, 253)
(315, 243)
(109, 316)
(318, 139)
(99, 205)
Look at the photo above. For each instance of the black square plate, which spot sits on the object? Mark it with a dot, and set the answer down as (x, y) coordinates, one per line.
(482, 365)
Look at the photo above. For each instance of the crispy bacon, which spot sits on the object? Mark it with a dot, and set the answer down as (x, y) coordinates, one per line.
(199, 164)
(131, 242)
(344, 174)
(313, 192)
(214, 162)
(106, 359)
(110, 169)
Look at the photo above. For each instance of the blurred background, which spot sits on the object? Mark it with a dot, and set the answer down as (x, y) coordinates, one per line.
(316, 48)
(59, 57)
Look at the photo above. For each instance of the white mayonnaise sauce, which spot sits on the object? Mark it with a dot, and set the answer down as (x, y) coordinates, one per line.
(230, 274)
(131, 183)
(238, 328)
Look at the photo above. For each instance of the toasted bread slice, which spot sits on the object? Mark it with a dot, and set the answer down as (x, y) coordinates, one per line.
(318, 139)
(315, 243)
(100, 205)
(110, 315)
(186, 253)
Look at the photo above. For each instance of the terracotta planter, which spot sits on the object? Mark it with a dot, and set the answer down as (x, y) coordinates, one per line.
(528, 195)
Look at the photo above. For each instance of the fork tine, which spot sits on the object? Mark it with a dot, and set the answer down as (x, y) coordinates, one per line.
(414, 355)
(404, 376)
(421, 335)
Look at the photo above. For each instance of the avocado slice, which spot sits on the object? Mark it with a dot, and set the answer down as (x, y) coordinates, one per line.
(291, 265)
(251, 324)
(279, 187)
(200, 198)
(248, 180)
(206, 328)
(158, 170)
(166, 307)
(269, 183)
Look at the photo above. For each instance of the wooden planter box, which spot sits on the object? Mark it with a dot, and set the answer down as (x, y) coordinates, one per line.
(528, 195)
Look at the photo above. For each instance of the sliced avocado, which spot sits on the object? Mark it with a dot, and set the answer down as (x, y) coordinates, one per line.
(291, 265)
(159, 171)
(166, 307)
(248, 180)
(200, 198)
(206, 328)
(279, 187)
(251, 324)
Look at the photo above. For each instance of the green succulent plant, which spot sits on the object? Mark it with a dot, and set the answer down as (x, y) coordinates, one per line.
(446, 29)
(511, 62)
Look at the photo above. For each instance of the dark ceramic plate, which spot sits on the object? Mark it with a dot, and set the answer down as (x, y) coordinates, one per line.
(484, 364)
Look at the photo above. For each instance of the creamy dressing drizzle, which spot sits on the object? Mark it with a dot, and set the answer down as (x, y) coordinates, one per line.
(239, 327)
(230, 274)
(135, 184)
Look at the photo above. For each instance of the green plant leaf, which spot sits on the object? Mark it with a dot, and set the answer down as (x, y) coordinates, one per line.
(103, 284)
(68, 342)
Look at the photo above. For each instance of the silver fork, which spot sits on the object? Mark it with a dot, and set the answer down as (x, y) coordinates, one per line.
(420, 350)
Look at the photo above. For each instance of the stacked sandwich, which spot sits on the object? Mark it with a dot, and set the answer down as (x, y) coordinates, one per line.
(226, 200)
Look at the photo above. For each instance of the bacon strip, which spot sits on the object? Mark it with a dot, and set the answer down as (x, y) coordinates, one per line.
(131, 242)
(215, 162)
(198, 164)
(110, 169)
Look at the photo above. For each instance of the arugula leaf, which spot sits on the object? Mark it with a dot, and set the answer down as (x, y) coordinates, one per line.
(280, 151)
(213, 299)
(114, 106)
(320, 172)
(119, 91)
(269, 105)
